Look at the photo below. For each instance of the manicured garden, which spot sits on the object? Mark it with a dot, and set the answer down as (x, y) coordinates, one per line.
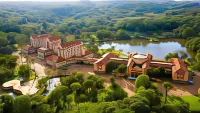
(194, 102)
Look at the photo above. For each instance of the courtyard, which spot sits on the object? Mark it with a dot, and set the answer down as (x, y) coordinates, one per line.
(128, 85)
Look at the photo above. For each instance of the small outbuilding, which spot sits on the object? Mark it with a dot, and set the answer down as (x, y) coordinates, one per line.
(28, 50)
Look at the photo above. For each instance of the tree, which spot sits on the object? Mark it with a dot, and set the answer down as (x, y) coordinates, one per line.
(100, 83)
(140, 107)
(117, 93)
(37, 100)
(142, 80)
(3, 61)
(69, 100)
(171, 55)
(183, 54)
(22, 104)
(68, 80)
(188, 32)
(103, 34)
(122, 34)
(8, 103)
(75, 86)
(112, 79)
(45, 25)
(44, 108)
(58, 97)
(3, 42)
(197, 57)
(92, 48)
(6, 50)
(82, 98)
(27, 31)
(24, 71)
(88, 84)
(12, 62)
(79, 77)
(167, 87)
(110, 66)
(4, 74)
(21, 40)
(150, 94)
(121, 69)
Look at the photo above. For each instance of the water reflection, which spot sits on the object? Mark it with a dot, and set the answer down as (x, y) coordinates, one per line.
(8, 92)
(157, 49)
(53, 83)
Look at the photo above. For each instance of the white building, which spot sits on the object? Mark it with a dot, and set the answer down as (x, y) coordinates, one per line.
(71, 49)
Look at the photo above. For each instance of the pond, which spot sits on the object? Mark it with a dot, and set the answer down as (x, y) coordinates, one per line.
(157, 49)
(9, 92)
(53, 83)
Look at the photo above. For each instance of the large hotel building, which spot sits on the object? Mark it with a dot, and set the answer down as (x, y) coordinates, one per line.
(51, 49)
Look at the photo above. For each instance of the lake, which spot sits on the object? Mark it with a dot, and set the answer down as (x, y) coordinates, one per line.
(157, 49)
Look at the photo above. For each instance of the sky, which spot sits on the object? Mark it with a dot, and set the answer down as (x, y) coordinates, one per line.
(61, 0)
(41, 0)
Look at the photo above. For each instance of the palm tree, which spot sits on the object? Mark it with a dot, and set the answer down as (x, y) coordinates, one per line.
(75, 86)
(69, 100)
(167, 87)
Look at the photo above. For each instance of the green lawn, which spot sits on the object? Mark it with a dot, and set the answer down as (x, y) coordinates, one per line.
(194, 102)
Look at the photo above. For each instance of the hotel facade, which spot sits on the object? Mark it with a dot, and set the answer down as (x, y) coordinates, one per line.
(56, 53)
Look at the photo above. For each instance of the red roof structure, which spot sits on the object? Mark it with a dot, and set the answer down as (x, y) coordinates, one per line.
(54, 38)
(27, 47)
(105, 58)
(72, 43)
(179, 64)
(34, 36)
(55, 58)
(44, 50)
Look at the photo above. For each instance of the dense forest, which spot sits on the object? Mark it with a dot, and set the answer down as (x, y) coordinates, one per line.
(92, 21)
(98, 21)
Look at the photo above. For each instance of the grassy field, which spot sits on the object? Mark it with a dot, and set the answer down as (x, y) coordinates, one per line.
(194, 102)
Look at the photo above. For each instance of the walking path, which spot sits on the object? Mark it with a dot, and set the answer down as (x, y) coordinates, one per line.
(39, 67)
(29, 87)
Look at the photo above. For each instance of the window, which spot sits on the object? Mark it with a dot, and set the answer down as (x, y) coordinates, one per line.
(99, 67)
(180, 76)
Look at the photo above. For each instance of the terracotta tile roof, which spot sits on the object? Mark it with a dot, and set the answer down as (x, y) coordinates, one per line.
(88, 52)
(55, 58)
(104, 58)
(179, 64)
(72, 43)
(54, 38)
(27, 47)
(34, 36)
(44, 50)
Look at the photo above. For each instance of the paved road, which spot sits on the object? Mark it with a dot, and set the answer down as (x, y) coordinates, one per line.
(197, 73)
(39, 67)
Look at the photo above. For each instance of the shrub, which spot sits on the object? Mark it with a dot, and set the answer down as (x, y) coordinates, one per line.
(142, 80)
(22, 104)
(140, 107)
(111, 66)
